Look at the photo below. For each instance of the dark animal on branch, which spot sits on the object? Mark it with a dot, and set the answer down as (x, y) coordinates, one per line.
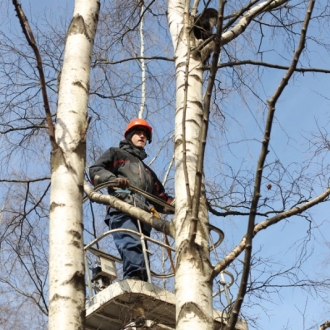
(204, 23)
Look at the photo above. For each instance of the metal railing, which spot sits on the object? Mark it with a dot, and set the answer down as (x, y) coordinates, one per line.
(98, 253)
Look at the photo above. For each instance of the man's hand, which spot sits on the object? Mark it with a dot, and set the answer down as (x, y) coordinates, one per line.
(121, 183)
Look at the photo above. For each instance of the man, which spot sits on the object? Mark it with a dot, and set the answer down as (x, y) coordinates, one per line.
(125, 166)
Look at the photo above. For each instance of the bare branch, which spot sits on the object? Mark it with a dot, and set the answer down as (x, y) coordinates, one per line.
(31, 41)
(205, 123)
(137, 58)
(260, 167)
(22, 128)
(325, 325)
(248, 17)
(267, 65)
(25, 181)
(265, 224)
(30, 296)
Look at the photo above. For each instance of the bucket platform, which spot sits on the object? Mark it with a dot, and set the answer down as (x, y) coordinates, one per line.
(131, 304)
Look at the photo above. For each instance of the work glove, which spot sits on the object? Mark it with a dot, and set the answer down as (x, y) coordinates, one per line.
(121, 183)
(169, 210)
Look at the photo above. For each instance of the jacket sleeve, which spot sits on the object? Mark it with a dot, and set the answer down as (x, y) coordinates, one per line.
(99, 172)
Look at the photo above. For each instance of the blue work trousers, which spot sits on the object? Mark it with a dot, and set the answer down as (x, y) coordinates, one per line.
(129, 245)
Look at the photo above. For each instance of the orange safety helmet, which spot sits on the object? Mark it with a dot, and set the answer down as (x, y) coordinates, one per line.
(135, 123)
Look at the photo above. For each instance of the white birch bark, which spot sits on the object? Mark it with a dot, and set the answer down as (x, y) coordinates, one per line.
(192, 280)
(143, 66)
(66, 271)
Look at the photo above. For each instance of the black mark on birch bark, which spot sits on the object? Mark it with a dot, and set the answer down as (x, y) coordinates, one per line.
(79, 84)
(78, 26)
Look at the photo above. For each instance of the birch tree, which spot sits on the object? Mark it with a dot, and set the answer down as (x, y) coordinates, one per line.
(68, 141)
(192, 113)
(193, 274)
(67, 289)
(67, 286)
(192, 116)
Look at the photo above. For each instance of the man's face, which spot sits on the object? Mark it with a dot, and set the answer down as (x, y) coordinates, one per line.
(139, 138)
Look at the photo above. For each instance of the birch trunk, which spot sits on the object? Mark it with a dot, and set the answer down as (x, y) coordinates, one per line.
(66, 271)
(192, 280)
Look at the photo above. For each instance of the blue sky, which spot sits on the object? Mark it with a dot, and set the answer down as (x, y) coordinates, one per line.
(299, 110)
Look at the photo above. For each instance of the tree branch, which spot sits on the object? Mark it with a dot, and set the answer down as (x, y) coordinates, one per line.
(223, 264)
(32, 43)
(267, 65)
(156, 223)
(325, 325)
(29, 296)
(26, 181)
(242, 24)
(137, 58)
(260, 167)
(205, 122)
